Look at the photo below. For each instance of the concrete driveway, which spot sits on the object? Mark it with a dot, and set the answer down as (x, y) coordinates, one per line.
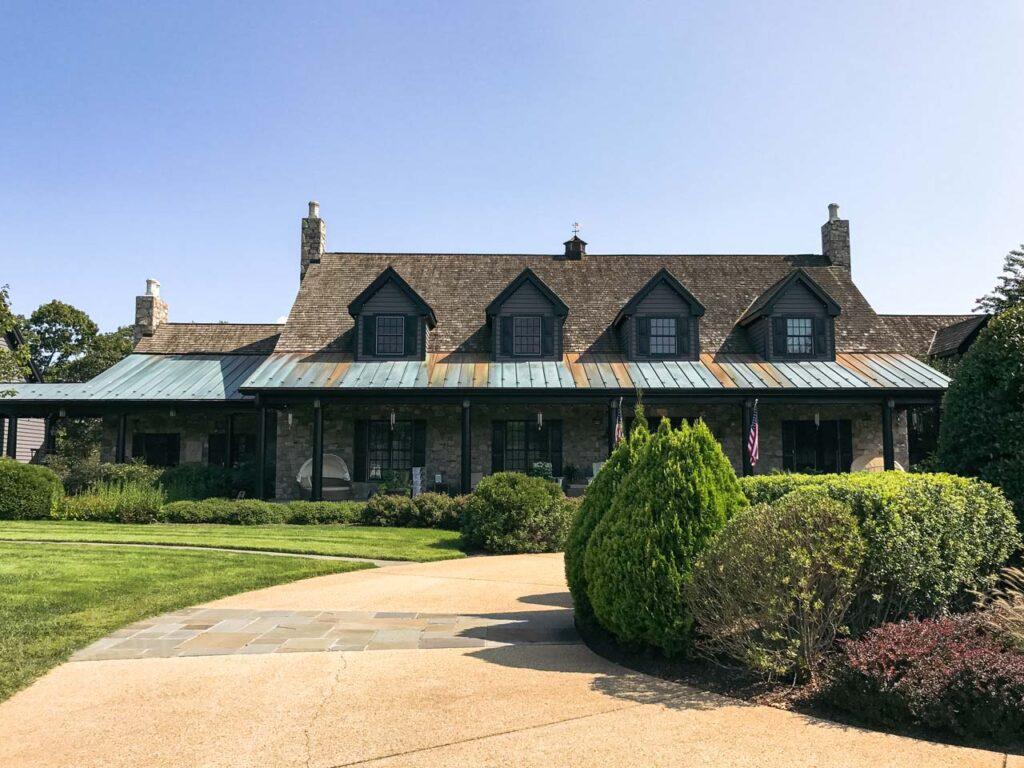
(459, 663)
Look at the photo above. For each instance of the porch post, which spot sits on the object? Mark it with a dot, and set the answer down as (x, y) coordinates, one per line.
(611, 426)
(12, 437)
(228, 458)
(317, 493)
(261, 449)
(122, 438)
(49, 435)
(888, 449)
(746, 414)
(467, 453)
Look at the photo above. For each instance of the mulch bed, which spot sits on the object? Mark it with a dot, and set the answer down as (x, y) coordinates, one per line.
(737, 683)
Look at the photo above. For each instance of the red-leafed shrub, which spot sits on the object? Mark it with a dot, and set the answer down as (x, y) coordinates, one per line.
(950, 674)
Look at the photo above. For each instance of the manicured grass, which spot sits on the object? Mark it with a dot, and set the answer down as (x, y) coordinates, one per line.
(57, 598)
(420, 544)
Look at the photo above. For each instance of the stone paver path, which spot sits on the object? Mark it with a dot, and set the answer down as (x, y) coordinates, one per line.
(222, 631)
(268, 679)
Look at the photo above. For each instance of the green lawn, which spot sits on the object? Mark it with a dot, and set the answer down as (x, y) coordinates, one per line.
(57, 598)
(420, 544)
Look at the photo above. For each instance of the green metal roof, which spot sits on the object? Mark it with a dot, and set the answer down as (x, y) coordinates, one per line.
(172, 378)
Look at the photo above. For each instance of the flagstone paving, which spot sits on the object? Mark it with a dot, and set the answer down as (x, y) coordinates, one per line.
(467, 662)
(222, 631)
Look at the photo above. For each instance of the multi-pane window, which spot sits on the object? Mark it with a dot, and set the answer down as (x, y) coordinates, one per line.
(389, 449)
(526, 335)
(823, 447)
(157, 449)
(799, 336)
(663, 335)
(390, 335)
(520, 444)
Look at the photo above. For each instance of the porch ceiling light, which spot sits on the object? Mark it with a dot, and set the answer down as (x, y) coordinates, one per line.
(540, 420)
(392, 419)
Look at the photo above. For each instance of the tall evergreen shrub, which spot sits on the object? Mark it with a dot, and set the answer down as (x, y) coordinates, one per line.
(678, 492)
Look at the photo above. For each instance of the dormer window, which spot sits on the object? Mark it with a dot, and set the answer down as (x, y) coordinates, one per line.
(660, 321)
(526, 335)
(799, 335)
(391, 320)
(390, 335)
(526, 320)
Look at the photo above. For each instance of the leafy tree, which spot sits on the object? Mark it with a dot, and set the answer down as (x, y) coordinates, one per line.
(1010, 291)
(13, 363)
(982, 430)
(58, 334)
(103, 351)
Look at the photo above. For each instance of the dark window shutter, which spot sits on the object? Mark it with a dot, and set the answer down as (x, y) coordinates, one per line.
(359, 450)
(778, 335)
(820, 338)
(682, 335)
(498, 446)
(643, 335)
(419, 443)
(412, 324)
(547, 336)
(506, 335)
(555, 437)
(788, 445)
(369, 335)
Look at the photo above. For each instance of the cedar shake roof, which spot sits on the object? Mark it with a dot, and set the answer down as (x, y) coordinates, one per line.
(915, 332)
(460, 286)
(211, 338)
(956, 338)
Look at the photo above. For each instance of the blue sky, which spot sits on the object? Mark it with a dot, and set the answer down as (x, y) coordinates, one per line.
(182, 140)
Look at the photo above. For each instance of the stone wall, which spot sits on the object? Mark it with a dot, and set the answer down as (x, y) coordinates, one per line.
(194, 430)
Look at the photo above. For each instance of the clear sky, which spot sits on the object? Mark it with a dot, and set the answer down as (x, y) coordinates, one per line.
(182, 140)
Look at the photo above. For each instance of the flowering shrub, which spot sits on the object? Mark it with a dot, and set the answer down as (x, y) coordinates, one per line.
(951, 674)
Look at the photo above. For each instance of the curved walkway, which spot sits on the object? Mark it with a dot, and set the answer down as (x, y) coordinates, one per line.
(457, 663)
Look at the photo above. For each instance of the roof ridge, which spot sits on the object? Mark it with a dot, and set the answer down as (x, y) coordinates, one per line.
(560, 257)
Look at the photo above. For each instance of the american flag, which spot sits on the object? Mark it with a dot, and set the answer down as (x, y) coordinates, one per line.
(619, 430)
(753, 443)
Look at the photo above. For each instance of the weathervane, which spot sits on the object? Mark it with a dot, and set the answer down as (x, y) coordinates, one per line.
(575, 229)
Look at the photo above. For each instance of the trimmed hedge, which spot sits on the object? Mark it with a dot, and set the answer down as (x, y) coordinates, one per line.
(931, 539)
(28, 491)
(509, 513)
(678, 492)
(773, 588)
(256, 512)
(950, 674)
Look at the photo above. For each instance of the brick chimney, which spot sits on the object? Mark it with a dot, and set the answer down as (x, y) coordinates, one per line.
(835, 238)
(314, 237)
(150, 310)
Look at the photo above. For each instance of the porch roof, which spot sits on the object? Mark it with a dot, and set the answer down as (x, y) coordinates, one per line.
(849, 372)
(152, 378)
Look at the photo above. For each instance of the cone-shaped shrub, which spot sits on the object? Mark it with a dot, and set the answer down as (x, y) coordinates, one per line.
(596, 502)
(678, 492)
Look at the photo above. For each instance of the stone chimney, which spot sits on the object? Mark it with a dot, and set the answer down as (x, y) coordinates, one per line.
(575, 248)
(314, 237)
(835, 238)
(150, 310)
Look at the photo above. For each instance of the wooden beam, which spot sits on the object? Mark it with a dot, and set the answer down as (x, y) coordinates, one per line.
(317, 492)
(467, 448)
(261, 450)
(888, 445)
(230, 438)
(12, 437)
(121, 453)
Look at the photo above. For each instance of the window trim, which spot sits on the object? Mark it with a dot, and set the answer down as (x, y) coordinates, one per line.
(674, 320)
(377, 336)
(843, 449)
(785, 353)
(390, 446)
(540, 335)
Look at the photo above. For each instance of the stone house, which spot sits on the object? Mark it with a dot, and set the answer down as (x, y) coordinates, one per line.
(446, 367)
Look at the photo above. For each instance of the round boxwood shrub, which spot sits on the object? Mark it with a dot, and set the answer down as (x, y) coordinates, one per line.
(389, 509)
(510, 513)
(28, 491)
(774, 586)
(931, 539)
(678, 492)
(982, 432)
(438, 510)
(596, 502)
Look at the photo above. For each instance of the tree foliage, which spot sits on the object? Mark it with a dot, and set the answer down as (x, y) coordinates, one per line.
(102, 351)
(982, 432)
(1010, 291)
(678, 493)
(13, 362)
(58, 334)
